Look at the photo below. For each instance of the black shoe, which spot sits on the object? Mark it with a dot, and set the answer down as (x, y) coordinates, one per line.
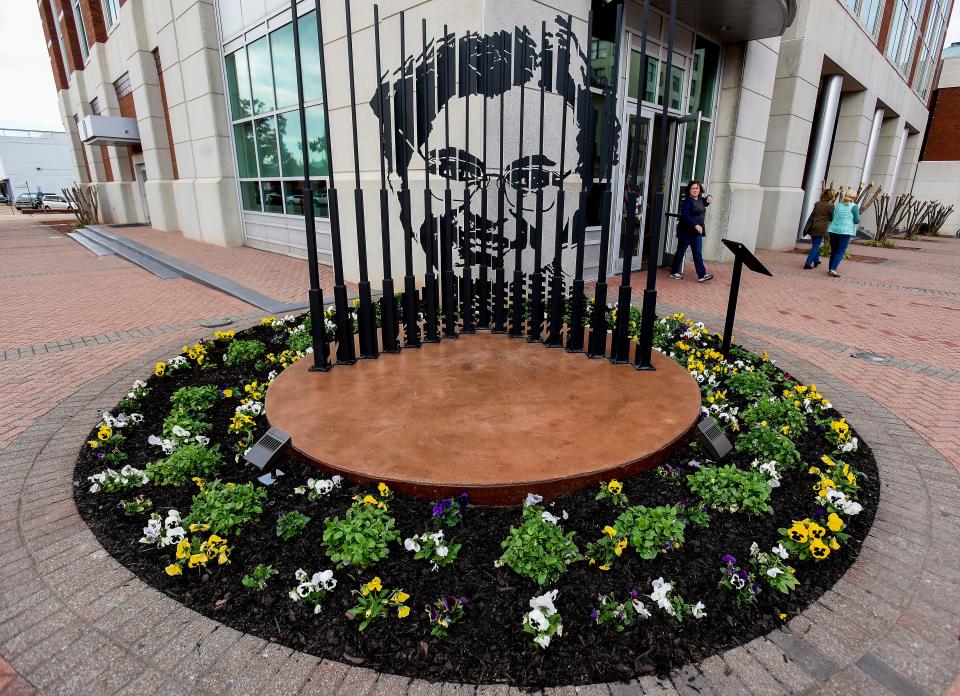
(705, 278)
(816, 263)
(807, 266)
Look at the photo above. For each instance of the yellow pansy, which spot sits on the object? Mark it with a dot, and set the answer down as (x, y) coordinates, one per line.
(400, 596)
(199, 527)
(384, 490)
(614, 486)
(93, 444)
(197, 559)
(228, 393)
(604, 567)
(816, 531)
(798, 532)
(834, 523)
(834, 545)
(159, 369)
(199, 481)
(183, 549)
(610, 531)
(403, 612)
(173, 569)
(819, 549)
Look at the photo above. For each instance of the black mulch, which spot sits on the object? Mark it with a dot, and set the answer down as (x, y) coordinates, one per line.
(489, 644)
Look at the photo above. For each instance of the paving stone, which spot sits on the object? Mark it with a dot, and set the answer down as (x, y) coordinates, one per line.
(808, 657)
(357, 682)
(791, 676)
(420, 687)
(390, 685)
(458, 690)
(325, 680)
(688, 681)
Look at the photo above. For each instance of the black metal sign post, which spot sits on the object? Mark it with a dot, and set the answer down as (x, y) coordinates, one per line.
(389, 328)
(467, 321)
(557, 292)
(598, 322)
(516, 323)
(410, 305)
(425, 97)
(500, 285)
(346, 352)
(648, 313)
(741, 256)
(448, 280)
(318, 328)
(576, 329)
(366, 321)
(535, 326)
(483, 283)
(620, 348)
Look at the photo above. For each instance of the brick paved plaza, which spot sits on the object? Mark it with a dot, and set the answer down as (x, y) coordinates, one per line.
(76, 330)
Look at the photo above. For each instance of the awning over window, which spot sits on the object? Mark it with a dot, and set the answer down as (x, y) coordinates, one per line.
(733, 21)
(109, 130)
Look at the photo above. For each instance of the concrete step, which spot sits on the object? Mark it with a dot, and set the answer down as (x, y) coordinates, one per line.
(81, 237)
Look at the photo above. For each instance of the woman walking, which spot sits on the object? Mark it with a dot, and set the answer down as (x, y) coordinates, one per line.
(817, 225)
(691, 231)
(842, 228)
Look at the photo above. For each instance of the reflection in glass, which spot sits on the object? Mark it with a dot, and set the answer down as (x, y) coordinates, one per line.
(601, 58)
(246, 150)
(261, 75)
(250, 195)
(317, 141)
(639, 184)
(650, 87)
(238, 83)
(310, 58)
(284, 72)
(293, 196)
(706, 59)
(291, 151)
(272, 196)
(267, 146)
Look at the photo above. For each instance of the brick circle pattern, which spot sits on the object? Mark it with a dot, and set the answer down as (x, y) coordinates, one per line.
(74, 621)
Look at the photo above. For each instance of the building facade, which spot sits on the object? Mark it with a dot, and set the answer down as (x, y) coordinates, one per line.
(766, 101)
(32, 161)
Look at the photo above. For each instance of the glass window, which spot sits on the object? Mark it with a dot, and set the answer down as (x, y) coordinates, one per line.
(293, 196)
(63, 46)
(601, 59)
(266, 131)
(111, 11)
(284, 72)
(261, 75)
(238, 83)
(81, 29)
(905, 30)
(310, 57)
(650, 88)
(868, 13)
(250, 195)
(272, 192)
(703, 81)
(677, 76)
(317, 141)
(246, 150)
(291, 150)
(932, 41)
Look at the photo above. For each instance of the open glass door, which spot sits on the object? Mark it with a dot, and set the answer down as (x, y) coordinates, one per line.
(638, 184)
(686, 130)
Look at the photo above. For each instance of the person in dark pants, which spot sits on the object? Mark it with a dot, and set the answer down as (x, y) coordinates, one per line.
(843, 228)
(691, 230)
(817, 225)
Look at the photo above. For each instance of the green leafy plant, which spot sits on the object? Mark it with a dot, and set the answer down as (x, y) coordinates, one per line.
(777, 414)
(613, 491)
(241, 351)
(621, 614)
(225, 506)
(258, 578)
(195, 399)
(291, 524)
(731, 489)
(651, 531)
(180, 421)
(750, 384)
(136, 506)
(185, 463)
(443, 613)
(764, 443)
(605, 550)
(538, 549)
(361, 537)
(432, 547)
(375, 602)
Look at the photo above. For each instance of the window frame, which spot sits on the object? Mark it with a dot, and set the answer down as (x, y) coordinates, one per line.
(81, 30)
(111, 12)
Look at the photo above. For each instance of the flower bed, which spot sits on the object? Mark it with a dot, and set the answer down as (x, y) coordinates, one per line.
(628, 578)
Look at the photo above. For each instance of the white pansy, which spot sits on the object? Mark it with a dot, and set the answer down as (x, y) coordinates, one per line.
(641, 609)
(442, 551)
(411, 545)
(180, 431)
(532, 499)
(774, 571)
(781, 551)
(547, 517)
(698, 610)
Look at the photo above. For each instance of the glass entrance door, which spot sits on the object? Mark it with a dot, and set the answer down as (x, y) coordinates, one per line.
(682, 130)
(637, 127)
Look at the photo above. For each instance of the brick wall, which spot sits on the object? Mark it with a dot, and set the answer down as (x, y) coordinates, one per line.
(53, 46)
(166, 114)
(71, 37)
(943, 136)
(94, 21)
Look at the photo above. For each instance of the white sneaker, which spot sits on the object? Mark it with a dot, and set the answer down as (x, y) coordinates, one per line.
(678, 276)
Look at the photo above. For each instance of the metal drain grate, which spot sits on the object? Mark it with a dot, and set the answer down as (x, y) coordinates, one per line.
(870, 357)
(214, 323)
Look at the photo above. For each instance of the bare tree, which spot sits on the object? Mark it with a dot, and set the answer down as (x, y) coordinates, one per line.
(916, 214)
(890, 214)
(83, 199)
(937, 216)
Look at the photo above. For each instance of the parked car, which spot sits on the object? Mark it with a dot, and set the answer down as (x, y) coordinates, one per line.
(54, 201)
(4, 200)
(25, 200)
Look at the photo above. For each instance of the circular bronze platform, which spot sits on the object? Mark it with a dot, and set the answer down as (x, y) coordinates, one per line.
(492, 416)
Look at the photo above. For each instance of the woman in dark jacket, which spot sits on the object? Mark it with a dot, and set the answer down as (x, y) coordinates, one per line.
(817, 225)
(691, 230)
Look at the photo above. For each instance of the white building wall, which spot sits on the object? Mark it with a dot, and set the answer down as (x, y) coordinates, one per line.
(33, 160)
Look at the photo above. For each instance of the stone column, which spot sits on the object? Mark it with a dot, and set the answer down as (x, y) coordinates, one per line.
(821, 140)
(888, 149)
(852, 138)
(872, 145)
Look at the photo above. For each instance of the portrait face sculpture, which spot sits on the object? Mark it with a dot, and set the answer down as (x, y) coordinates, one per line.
(446, 88)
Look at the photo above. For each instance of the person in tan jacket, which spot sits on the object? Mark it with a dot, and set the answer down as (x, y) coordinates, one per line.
(817, 225)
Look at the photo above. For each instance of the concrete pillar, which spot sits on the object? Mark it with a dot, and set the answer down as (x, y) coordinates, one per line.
(888, 148)
(898, 162)
(741, 129)
(788, 135)
(821, 141)
(908, 162)
(852, 138)
(872, 145)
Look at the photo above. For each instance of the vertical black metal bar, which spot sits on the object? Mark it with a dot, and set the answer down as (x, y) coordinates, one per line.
(448, 279)
(620, 350)
(575, 330)
(346, 352)
(425, 99)
(499, 284)
(649, 310)
(535, 326)
(410, 304)
(598, 322)
(467, 321)
(389, 328)
(366, 322)
(731, 306)
(483, 284)
(557, 293)
(516, 323)
(318, 333)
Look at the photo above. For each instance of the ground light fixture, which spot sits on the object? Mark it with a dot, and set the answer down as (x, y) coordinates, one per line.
(271, 445)
(741, 256)
(712, 439)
